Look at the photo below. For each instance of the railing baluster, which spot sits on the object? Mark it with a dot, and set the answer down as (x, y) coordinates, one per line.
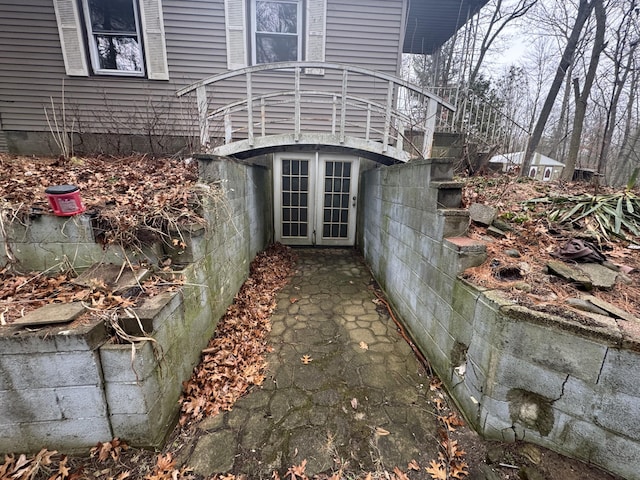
(203, 120)
(296, 134)
(263, 117)
(228, 128)
(250, 108)
(387, 117)
(343, 110)
(400, 139)
(334, 114)
(367, 133)
(429, 127)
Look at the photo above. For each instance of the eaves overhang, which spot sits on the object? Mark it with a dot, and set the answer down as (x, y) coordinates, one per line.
(430, 23)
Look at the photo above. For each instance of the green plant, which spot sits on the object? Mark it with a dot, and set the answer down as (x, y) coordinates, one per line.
(606, 215)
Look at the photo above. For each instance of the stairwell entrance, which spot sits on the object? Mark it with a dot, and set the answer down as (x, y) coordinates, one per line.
(315, 198)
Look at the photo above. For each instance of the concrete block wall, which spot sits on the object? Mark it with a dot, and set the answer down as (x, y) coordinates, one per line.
(68, 390)
(516, 374)
(51, 389)
(45, 242)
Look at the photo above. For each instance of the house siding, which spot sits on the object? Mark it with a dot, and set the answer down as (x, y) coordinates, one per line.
(365, 33)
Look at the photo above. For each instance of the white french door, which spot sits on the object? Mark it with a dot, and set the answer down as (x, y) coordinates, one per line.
(315, 198)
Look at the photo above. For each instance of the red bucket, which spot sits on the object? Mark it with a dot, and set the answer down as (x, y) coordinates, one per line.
(65, 200)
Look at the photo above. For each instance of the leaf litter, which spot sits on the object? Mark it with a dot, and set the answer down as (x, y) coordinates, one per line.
(536, 233)
(223, 367)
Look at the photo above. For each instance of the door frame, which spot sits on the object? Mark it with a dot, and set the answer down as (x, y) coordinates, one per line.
(317, 167)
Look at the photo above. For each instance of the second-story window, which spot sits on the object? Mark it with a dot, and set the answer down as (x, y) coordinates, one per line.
(277, 31)
(113, 32)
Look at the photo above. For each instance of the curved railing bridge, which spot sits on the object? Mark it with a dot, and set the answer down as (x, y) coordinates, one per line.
(347, 108)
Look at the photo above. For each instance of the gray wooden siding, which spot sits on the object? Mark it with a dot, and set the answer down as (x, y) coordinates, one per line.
(362, 32)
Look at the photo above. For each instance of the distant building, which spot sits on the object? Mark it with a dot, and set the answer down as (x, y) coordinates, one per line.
(542, 167)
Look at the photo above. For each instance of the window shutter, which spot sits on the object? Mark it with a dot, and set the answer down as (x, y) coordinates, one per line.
(236, 24)
(155, 48)
(71, 37)
(316, 27)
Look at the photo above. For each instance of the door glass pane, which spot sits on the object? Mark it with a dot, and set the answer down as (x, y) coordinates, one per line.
(295, 198)
(336, 200)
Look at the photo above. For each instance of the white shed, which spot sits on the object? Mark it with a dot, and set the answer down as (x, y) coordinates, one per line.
(542, 167)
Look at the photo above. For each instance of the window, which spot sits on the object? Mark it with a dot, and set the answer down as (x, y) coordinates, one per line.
(277, 31)
(547, 173)
(114, 37)
(264, 31)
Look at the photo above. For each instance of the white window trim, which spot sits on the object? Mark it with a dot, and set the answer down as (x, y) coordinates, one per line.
(73, 39)
(301, 30)
(93, 49)
(238, 30)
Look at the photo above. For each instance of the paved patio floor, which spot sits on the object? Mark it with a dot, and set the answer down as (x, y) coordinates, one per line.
(343, 389)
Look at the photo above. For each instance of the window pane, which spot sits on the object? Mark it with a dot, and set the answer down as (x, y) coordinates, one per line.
(119, 53)
(271, 49)
(112, 16)
(276, 17)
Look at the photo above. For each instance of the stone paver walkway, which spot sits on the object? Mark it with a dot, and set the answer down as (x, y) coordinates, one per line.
(360, 402)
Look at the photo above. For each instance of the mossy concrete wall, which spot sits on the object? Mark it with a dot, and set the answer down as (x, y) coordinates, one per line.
(69, 389)
(516, 374)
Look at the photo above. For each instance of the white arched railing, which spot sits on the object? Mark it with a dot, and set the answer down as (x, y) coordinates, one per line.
(346, 103)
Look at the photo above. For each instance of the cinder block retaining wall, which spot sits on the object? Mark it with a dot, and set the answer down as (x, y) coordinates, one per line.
(515, 374)
(69, 389)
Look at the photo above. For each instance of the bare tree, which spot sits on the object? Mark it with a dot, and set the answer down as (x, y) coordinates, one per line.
(582, 96)
(622, 56)
(502, 15)
(584, 12)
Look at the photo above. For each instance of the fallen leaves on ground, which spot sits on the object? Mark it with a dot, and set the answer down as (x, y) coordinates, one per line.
(306, 359)
(536, 236)
(451, 458)
(23, 293)
(133, 200)
(235, 358)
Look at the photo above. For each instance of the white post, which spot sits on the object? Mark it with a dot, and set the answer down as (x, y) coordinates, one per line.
(203, 120)
(429, 127)
(296, 120)
(343, 111)
(387, 117)
(249, 109)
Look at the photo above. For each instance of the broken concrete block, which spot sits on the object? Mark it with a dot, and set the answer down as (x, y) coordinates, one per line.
(586, 306)
(482, 214)
(601, 276)
(52, 313)
(611, 309)
(569, 273)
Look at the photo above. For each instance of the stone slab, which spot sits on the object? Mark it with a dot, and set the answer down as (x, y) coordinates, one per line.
(117, 277)
(601, 277)
(482, 214)
(613, 310)
(52, 313)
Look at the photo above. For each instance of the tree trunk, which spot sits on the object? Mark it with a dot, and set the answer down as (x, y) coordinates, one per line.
(581, 98)
(584, 11)
(618, 87)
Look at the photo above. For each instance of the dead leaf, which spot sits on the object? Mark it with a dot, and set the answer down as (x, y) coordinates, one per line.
(399, 474)
(354, 403)
(413, 465)
(436, 470)
(381, 431)
(293, 300)
(306, 359)
(364, 346)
